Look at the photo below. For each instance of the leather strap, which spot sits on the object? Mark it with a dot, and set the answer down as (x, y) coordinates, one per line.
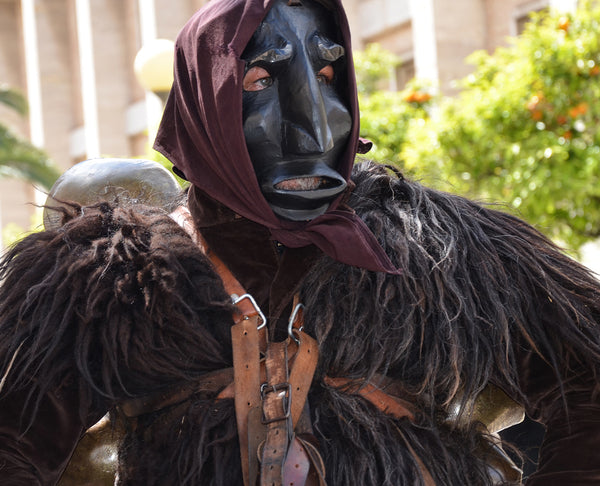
(276, 397)
(210, 383)
(246, 307)
(426, 475)
(246, 369)
(316, 476)
(302, 373)
(279, 412)
(297, 464)
(387, 403)
(247, 343)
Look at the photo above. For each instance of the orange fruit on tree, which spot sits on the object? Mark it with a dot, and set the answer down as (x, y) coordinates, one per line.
(563, 23)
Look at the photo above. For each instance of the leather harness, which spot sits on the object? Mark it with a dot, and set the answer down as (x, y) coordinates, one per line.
(270, 385)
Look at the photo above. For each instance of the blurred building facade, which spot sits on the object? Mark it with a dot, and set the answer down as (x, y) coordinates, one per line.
(74, 61)
(433, 37)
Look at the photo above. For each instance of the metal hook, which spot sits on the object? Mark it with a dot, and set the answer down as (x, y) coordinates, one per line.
(293, 316)
(237, 299)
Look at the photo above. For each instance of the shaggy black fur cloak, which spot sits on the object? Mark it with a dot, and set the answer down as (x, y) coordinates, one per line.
(119, 303)
(116, 303)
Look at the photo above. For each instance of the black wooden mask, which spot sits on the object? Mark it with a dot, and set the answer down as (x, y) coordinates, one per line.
(296, 124)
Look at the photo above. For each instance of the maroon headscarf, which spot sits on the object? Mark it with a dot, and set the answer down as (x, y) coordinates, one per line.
(201, 132)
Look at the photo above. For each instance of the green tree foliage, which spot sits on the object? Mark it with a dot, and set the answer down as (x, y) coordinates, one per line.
(166, 163)
(19, 158)
(12, 232)
(525, 129)
(385, 116)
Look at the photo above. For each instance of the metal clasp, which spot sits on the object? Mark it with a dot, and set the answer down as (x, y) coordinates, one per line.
(285, 390)
(293, 316)
(237, 299)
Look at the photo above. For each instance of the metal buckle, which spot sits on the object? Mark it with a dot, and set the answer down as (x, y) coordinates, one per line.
(265, 388)
(237, 299)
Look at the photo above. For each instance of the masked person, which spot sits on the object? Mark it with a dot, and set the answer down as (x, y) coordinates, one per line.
(419, 301)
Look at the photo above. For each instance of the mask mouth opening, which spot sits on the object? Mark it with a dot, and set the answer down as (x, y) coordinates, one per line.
(315, 182)
(307, 183)
(302, 190)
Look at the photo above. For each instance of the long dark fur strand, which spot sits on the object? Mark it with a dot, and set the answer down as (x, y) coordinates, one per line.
(475, 281)
(470, 290)
(121, 297)
(476, 286)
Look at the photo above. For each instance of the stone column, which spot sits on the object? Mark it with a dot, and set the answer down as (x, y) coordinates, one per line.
(424, 40)
(87, 66)
(444, 33)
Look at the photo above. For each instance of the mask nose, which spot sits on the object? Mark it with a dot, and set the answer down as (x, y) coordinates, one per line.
(306, 129)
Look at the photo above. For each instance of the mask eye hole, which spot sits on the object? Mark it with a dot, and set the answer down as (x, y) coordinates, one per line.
(326, 75)
(257, 79)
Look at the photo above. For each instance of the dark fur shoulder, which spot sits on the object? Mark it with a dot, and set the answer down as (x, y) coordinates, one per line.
(479, 291)
(120, 297)
(472, 281)
(476, 283)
